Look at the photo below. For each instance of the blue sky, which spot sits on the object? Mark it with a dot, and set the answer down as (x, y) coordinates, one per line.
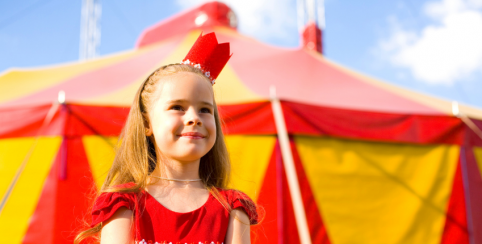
(434, 47)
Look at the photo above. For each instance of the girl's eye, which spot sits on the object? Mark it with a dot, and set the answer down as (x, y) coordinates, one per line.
(177, 107)
(206, 110)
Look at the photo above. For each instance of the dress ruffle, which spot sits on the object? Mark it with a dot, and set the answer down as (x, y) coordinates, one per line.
(108, 203)
(239, 200)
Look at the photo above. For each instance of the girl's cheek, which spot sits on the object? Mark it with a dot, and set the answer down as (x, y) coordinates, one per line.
(171, 120)
(213, 129)
(209, 123)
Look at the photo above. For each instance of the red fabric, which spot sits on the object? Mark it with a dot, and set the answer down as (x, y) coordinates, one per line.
(58, 215)
(471, 137)
(267, 231)
(474, 197)
(419, 129)
(26, 121)
(455, 230)
(156, 223)
(248, 119)
(290, 233)
(218, 14)
(95, 120)
(251, 119)
(256, 119)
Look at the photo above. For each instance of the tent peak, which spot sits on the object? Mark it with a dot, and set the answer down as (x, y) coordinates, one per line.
(312, 37)
(311, 22)
(206, 16)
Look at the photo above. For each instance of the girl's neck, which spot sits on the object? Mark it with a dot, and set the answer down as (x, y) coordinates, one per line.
(172, 169)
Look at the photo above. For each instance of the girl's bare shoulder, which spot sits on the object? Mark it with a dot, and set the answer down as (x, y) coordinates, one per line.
(118, 228)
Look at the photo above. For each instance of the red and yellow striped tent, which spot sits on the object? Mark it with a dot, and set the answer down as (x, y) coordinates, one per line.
(373, 163)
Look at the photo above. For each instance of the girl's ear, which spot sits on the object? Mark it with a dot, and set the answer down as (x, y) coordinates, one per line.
(147, 125)
(148, 131)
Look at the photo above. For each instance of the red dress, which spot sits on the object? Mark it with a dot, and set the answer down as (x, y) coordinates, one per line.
(156, 224)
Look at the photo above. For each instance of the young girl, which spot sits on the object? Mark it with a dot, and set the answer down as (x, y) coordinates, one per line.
(168, 180)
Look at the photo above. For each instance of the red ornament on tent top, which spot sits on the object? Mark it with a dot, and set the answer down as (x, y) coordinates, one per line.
(208, 55)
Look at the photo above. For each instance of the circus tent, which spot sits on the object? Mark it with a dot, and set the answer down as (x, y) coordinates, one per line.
(373, 163)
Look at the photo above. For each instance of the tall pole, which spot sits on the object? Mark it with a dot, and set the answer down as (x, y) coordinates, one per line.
(90, 29)
(311, 10)
(300, 6)
(290, 169)
(321, 14)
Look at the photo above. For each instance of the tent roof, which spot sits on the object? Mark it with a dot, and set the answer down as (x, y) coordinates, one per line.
(297, 74)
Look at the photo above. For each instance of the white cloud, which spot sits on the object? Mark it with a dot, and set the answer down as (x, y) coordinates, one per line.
(264, 19)
(447, 51)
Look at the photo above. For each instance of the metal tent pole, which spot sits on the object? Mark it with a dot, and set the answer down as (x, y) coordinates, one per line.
(90, 29)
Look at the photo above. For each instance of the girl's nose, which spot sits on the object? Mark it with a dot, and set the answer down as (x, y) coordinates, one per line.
(193, 119)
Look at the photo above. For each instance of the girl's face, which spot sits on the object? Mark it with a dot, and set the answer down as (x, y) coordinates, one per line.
(181, 117)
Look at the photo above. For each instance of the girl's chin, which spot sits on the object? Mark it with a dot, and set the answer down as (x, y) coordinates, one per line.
(189, 156)
(186, 151)
(188, 160)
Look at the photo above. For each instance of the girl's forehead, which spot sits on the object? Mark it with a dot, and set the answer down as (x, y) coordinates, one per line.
(186, 86)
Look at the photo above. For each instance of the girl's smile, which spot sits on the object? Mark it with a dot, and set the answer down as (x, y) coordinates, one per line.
(192, 135)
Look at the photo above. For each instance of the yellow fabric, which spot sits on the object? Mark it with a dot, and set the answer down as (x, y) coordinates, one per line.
(15, 84)
(379, 192)
(12, 154)
(14, 218)
(229, 89)
(250, 156)
(478, 158)
(100, 153)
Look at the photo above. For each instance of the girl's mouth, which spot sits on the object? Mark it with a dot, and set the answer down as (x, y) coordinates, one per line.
(192, 135)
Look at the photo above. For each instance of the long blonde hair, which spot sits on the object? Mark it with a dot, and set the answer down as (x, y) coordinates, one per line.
(136, 155)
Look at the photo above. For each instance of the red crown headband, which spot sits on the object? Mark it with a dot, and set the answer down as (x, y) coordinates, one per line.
(209, 56)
